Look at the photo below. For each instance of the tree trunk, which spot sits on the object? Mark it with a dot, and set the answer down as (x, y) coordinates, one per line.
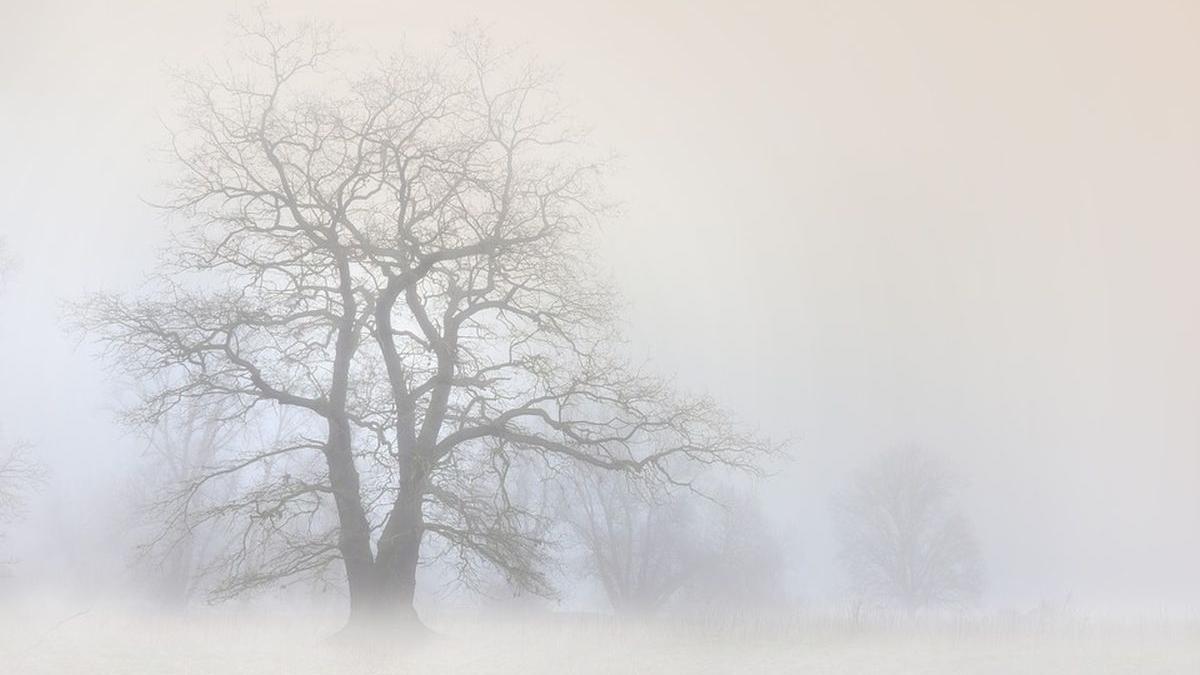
(400, 542)
(354, 529)
(400, 548)
(354, 532)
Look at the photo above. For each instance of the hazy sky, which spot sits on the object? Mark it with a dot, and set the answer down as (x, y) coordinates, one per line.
(971, 226)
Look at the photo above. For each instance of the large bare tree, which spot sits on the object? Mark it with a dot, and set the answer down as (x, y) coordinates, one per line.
(400, 252)
(903, 543)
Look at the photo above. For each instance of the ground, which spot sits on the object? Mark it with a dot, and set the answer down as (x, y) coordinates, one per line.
(100, 642)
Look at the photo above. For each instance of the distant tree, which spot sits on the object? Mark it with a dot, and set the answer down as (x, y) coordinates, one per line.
(20, 476)
(6, 262)
(902, 543)
(529, 490)
(181, 446)
(679, 549)
(185, 448)
(20, 473)
(641, 548)
(744, 567)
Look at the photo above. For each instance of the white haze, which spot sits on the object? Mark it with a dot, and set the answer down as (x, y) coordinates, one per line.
(969, 227)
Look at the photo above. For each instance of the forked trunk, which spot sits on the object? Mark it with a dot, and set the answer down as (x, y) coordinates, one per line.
(399, 551)
(354, 532)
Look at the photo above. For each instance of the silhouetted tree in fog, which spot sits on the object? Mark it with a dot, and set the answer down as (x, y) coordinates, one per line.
(401, 255)
(641, 548)
(902, 543)
(20, 473)
(186, 446)
(744, 567)
(6, 263)
(181, 446)
(679, 547)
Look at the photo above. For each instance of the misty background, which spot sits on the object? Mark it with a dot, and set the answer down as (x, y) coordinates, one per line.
(858, 225)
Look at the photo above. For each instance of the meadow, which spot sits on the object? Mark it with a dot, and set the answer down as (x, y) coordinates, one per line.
(115, 642)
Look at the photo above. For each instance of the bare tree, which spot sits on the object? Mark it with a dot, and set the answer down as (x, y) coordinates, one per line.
(641, 548)
(6, 262)
(401, 255)
(180, 446)
(20, 472)
(744, 567)
(535, 492)
(680, 549)
(902, 542)
(184, 446)
(20, 476)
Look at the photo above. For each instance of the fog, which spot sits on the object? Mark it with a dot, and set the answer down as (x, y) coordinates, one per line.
(967, 228)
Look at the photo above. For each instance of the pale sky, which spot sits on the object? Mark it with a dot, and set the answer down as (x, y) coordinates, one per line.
(970, 226)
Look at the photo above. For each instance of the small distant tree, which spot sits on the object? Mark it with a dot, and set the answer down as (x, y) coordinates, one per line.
(180, 447)
(186, 448)
(640, 547)
(744, 567)
(20, 473)
(6, 263)
(902, 542)
(528, 490)
(678, 549)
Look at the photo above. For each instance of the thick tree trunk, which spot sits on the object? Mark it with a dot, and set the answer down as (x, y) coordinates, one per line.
(400, 548)
(354, 531)
(400, 542)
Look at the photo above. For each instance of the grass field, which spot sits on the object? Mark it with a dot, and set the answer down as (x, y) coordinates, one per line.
(97, 642)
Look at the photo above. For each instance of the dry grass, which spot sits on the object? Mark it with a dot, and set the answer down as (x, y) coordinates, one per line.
(111, 642)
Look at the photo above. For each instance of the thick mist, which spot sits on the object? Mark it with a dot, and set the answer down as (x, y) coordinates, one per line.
(863, 229)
